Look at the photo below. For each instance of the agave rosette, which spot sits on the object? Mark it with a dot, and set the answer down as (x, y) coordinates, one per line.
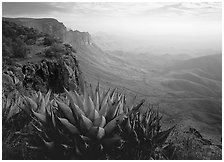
(39, 106)
(10, 104)
(93, 114)
(142, 132)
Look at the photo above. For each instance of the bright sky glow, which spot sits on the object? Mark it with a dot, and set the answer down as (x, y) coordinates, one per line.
(200, 20)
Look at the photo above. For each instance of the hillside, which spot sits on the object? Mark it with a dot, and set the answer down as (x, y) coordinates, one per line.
(183, 93)
(200, 78)
(206, 66)
(36, 58)
(179, 92)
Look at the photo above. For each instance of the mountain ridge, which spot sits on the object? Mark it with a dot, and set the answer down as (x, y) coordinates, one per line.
(54, 27)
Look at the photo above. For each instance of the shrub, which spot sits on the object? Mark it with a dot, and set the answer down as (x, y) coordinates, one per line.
(56, 51)
(21, 50)
(30, 41)
(48, 41)
(7, 47)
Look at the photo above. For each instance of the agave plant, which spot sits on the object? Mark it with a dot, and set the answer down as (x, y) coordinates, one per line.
(48, 137)
(10, 81)
(95, 125)
(91, 120)
(10, 106)
(38, 105)
(11, 98)
(142, 134)
(93, 116)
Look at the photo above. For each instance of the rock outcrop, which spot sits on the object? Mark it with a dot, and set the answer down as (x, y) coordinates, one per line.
(57, 29)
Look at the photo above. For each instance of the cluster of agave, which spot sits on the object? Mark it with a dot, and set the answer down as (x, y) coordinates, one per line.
(41, 109)
(91, 118)
(96, 125)
(10, 104)
(142, 134)
(11, 97)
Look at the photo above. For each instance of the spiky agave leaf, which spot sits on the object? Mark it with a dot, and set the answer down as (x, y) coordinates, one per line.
(8, 101)
(101, 133)
(77, 112)
(50, 145)
(85, 123)
(96, 132)
(31, 104)
(42, 107)
(104, 98)
(67, 111)
(74, 98)
(97, 101)
(112, 110)
(40, 117)
(40, 96)
(79, 100)
(161, 137)
(104, 109)
(122, 108)
(69, 126)
(136, 108)
(13, 110)
(47, 97)
(113, 95)
(92, 114)
(88, 106)
(100, 121)
(91, 92)
(113, 123)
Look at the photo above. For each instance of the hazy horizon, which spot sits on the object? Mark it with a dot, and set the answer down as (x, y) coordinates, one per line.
(196, 23)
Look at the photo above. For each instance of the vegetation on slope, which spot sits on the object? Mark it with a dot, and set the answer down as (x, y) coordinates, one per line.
(43, 60)
(69, 119)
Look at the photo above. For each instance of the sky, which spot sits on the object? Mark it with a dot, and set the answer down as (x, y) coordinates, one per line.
(200, 20)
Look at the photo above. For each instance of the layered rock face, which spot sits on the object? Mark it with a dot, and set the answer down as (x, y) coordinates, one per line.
(54, 27)
(77, 38)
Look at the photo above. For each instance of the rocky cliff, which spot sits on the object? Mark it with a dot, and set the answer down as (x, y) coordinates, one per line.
(38, 61)
(54, 27)
(77, 38)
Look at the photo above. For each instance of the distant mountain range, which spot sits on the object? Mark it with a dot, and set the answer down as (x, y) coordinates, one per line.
(154, 44)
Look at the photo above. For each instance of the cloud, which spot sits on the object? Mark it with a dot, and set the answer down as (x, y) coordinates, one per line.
(30, 8)
(111, 8)
(200, 10)
(114, 8)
